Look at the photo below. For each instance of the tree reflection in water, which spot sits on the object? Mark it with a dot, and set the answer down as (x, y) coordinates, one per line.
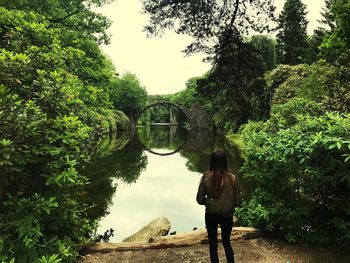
(124, 158)
(119, 158)
(195, 145)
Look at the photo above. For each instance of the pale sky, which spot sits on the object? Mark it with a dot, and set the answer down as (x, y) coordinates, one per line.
(158, 62)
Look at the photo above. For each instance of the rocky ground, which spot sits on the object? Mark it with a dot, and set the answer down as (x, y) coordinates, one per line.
(193, 247)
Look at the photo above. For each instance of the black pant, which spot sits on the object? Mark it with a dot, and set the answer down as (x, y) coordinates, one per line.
(226, 223)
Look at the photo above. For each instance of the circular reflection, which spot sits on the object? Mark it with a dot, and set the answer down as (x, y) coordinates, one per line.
(172, 138)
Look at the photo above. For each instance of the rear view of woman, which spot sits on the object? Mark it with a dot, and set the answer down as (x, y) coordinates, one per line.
(219, 193)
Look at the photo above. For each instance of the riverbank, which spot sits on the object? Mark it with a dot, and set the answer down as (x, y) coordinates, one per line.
(249, 245)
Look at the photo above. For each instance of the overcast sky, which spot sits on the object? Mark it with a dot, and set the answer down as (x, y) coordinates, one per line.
(158, 62)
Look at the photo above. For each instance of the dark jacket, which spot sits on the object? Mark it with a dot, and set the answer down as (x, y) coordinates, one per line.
(223, 205)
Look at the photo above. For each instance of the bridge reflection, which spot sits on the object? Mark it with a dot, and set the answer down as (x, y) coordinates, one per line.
(162, 137)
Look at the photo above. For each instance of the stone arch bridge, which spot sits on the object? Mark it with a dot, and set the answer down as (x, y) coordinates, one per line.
(197, 116)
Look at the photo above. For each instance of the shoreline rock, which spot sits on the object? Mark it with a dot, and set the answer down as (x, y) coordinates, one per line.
(156, 228)
(195, 237)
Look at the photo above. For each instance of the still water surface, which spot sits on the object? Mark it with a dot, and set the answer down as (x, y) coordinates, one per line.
(153, 173)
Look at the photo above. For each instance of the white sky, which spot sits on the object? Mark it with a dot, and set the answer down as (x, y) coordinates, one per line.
(158, 62)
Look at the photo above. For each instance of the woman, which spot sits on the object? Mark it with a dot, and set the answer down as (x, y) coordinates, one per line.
(218, 192)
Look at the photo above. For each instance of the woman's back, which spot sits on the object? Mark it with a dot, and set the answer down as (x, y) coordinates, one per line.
(223, 203)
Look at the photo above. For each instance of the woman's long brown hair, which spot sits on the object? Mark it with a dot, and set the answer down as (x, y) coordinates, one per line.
(218, 169)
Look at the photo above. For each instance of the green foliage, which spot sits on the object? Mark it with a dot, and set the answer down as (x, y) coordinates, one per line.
(115, 119)
(265, 46)
(299, 178)
(292, 35)
(319, 34)
(319, 82)
(275, 78)
(75, 15)
(128, 95)
(208, 22)
(189, 96)
(35, 58)
(161, 113)
(297, 162)
(54, 107)
(288, 113)
(38, 166)
(235, 86)
(338, 42)
(50, 259)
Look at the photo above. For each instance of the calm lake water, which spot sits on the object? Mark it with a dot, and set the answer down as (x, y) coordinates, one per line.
(153, 173)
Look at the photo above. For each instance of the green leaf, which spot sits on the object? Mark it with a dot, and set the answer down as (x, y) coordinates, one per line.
(332, 146)
(347, 158)
(50, 259)
(6, 156)
(5, 142)
(339, 145)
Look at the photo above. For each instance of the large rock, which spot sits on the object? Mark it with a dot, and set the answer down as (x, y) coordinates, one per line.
(158, 227)
(198, 118)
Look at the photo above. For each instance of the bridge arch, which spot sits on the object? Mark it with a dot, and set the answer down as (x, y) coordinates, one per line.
(164, 103)
(164, 154)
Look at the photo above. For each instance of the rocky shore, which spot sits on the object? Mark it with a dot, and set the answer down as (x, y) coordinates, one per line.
(249, 245)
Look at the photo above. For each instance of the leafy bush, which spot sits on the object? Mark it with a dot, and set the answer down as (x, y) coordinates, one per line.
(278, 76)
(39, 215)
(299, 178)
(288, 113)
(284, 116)
(122, 121)
(320, 82)
(54, 106)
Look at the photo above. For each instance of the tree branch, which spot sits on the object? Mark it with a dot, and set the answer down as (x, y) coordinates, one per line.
(234, 14)
(59, 20)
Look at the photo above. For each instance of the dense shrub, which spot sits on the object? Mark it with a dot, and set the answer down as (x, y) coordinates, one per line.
(54, 106)
(38, 155)
(287, 113)
(321, 82)
(278, 76)
(284, 116)
(299, 178)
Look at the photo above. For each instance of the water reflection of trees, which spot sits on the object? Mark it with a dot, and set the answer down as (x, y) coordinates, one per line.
(195, 145)
(197, 150)
(199, 146)
(162, 137)
(118, 158)
(124, 159)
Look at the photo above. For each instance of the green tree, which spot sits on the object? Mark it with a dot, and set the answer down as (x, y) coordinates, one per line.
(71, 15)
(235, 87)
(292, 35)
(53, 108)
(208, 21)
(189, 96)
(296, 162)
(327, 26)
(159, 114)
(337, 43)
(327, 21)
(128, 95)
(320, 82)
(265, 47)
